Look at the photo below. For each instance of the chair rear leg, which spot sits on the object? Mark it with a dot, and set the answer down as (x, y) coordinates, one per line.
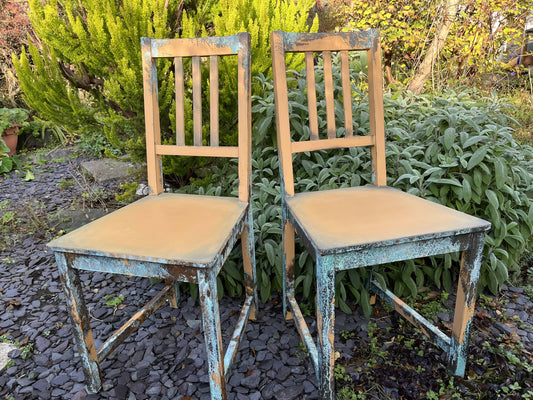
(465, 304)
(207, 283)
(288, 265)
(176, 293)
(83, 335)
(248, 254)
(326, 326)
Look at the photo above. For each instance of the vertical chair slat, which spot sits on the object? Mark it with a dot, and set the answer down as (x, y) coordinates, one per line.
(244, 78)
(197, 100)
(328, 86)
(213, 100)
(311, 95)
(151, 118)
(279, 68)
(377, 121)
(346, 94)
(180, 104)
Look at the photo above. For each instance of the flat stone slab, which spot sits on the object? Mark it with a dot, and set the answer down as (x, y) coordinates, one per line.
(5, 348)
(62, 153)
(107, 169)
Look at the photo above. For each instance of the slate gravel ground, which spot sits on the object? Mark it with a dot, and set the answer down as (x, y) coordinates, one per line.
(165, 358)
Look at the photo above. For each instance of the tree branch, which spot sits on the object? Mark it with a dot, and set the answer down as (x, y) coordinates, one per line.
(450, 8)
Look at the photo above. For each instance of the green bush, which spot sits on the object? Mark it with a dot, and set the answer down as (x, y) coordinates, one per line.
(88, 76)
(455, 148)
(473, 47)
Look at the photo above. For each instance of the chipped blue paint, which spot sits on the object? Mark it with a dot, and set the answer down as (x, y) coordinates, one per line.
(412, 316)
(356, 40)
(248, 246)
(129, 267)
(303, 330)
(288, 276)
(206, 45)
(325, 271)
(207, 284)
(176, 294)
(467, 288)
(80, 322)
(233, 345)
(133, 323)
(399, 252)
(328, 260)
(458, 354)
(173, 271)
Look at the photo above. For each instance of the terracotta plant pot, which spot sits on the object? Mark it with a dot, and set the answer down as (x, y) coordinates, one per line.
(11, 138)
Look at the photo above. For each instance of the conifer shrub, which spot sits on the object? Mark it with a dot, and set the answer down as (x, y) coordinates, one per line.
(88, 75)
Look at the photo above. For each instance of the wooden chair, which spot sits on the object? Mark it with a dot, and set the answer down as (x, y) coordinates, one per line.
(361, 226)
(175, 237)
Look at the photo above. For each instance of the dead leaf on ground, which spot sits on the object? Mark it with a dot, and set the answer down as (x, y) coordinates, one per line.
(12, 304)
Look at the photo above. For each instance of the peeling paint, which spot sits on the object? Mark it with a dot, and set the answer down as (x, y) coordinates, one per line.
(179, 238)
(390, 225)
(411, 315)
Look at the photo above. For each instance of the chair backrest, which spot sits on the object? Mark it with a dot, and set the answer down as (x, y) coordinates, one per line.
(199, 50)
(325, 43)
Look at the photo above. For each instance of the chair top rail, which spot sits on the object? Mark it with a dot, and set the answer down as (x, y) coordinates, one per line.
(326, 43)
(201, 50)
(350, 41)
(191, 47)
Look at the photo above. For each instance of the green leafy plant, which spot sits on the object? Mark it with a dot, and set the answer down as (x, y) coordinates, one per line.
(473, 46)
(6, 162)
(432, 303)
(455, 148)
(26, 351)
(12, 118)
(114, 301)
(340, 374)
(129, 188)
(87, 78)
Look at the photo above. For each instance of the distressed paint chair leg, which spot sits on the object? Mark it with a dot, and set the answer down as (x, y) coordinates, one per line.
(288, 265)
(83, 335)
(207, 283)
(175, 299)
(325, 326)
(465, 304)
(248, 254)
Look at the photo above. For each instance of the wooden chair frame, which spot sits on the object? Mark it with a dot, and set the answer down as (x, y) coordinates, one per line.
(468, 237)
(75, 251)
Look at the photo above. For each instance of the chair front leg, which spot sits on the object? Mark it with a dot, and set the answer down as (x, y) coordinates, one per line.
(465, 304)
(288, 262)
(248, 254)
(325, 271)
(207, 283)
(83, 335)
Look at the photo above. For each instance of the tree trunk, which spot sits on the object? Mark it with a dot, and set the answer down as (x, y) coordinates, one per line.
(449, 13)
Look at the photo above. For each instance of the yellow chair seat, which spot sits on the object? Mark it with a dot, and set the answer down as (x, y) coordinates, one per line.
(169, 228)
(353, 217)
